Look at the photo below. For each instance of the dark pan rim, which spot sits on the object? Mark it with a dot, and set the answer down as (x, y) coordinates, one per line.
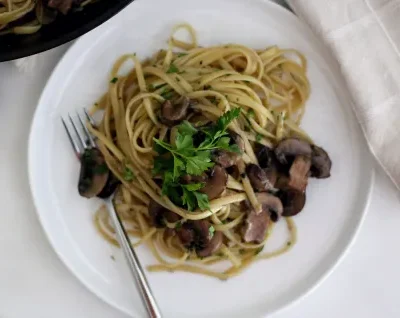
(66, 37)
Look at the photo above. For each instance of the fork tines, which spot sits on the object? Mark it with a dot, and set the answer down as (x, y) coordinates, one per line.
(79, 135)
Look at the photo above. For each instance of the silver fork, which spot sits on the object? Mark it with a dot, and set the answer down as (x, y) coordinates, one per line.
(86, 141)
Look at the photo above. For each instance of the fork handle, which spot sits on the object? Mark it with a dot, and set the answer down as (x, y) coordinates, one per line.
(133, 262)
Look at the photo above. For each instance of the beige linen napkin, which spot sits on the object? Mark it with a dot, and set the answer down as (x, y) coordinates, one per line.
(364, 36)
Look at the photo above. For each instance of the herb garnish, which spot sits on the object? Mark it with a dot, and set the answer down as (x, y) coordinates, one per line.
(259, 137)
(211, 231)
(128, 174)
(172, 69)
(114, 80)
(186, 158)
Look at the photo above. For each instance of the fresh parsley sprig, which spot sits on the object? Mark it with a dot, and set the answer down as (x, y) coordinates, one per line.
(185, 157)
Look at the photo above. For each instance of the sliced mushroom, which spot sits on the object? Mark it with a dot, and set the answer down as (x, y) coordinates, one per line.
(61, 5)
(173, 113)
(266, 157)
(216, 183)
(267, 160)
(110, 187)
(255, 227)
(289, 148)
(320, 163)
(213, 246)
(237, 139)
(94, 173)
(256, 224)
(293, 201)
(298, 173)
(197, 235)
(258, 178)
(158, 214)
(226, 158)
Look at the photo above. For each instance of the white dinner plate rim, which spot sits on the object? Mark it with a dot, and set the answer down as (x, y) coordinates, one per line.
(50, 236)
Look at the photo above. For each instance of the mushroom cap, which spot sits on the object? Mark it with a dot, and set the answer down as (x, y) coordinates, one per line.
(255, 227)
(174, 112)
(256, 224)
(213, 246)
(237, 139)
(320, 163)
(258, 178)
(290, 148)
(293, 201)
(195, 234)
(158, 214)
(225, 158)
(110, 187)
(298, 173)
(266, 157)
(94, 173)
(216, 183)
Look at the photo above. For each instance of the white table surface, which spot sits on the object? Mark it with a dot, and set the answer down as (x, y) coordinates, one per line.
(34, 283)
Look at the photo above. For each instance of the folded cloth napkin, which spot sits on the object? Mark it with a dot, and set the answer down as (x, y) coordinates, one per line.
(364, 36)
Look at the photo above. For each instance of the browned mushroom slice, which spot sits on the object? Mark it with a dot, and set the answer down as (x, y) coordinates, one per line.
(213, 246)
(225, 158)
(290, 148)
(110, 187)
(258, 178)
(174, 112)
(158, 214)
(197, 235)
(62, 5)
(293, 201)
(298, 173)
(320, 163)
(216, 183)
(94, 173)
(237, 139)
(256, 224)
(255, 227)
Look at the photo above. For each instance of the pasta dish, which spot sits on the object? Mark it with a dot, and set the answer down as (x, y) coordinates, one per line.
(205, 148)
(28, 16)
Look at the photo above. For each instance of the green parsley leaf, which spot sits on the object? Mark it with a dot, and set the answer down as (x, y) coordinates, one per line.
(128, 174)
(178, 225)
(196, 166)
(189, 199)
(202, 200)
(167, 94)
(259, 137)
(179, 166)
(251, 113)
(211, 231)
(172, 69)
(182, 54)
(183, 141)
(223, 142)
(227, 118)
(187, 128)
(234, 148)
(114, 80)
(193, 186)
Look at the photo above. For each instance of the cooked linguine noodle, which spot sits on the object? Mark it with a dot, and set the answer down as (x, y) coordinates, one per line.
(270, 87)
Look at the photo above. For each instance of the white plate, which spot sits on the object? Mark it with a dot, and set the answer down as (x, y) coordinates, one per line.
(335, 207)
